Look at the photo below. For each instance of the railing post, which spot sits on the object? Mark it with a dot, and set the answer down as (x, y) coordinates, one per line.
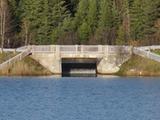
(76, 49)
(32, 48)
(51, 48)
(14, 51)
(82, 48)
(132, 50)
(100, 48)
(106, 49)
(58, 49)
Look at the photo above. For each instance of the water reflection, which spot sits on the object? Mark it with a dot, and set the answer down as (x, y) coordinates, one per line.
(78, 75)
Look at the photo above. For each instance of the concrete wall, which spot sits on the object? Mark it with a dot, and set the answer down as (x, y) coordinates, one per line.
(50, 61)
(111, 64)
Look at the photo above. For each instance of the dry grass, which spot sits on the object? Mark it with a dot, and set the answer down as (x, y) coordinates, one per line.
(6, 56)
(26, 67)
(138, 66)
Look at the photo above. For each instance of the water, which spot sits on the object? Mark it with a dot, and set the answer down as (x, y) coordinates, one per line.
(112, 98)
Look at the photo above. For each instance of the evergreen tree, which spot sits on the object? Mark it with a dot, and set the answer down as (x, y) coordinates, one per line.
(83, 32)
(61, 17)
(151, 16)
(105, 17)
(143, 18)
(43, 17)
(81, 14)
(116, 20)
(86, 21)
(121, 36)
(138, 20)
(126, 19)
(92, 14)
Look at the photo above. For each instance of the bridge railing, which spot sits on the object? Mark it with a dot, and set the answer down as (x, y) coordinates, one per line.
(43, 48)
(97, 49)
(15, 59)
(153, 47)
(80, 49)
(146, 54)
(67, 48)
(118, 49)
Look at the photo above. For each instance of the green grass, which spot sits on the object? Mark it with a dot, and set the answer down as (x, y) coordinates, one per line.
(156, 51)
(140, 66)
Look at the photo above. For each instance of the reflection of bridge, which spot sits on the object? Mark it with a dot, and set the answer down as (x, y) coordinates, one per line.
(108, 58)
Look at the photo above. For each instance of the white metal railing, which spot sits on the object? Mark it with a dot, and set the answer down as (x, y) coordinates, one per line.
(153, 47)
(146, 54)
(15, 59)
(43, 48)
(97, 49)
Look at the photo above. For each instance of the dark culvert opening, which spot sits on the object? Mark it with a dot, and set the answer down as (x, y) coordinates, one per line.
(79, 68)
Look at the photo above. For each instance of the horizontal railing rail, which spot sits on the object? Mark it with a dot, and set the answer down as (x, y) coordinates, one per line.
(146, 54)
(13, 60)
(153, 47)
(74, 49)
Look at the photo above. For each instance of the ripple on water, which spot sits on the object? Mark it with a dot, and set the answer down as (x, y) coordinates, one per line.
(49, 98)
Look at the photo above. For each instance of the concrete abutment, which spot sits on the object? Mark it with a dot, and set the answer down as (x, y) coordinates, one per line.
(50, 61)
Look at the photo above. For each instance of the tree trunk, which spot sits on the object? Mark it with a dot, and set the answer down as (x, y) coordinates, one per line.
(26, 33)
(3, 32)
(2, 22)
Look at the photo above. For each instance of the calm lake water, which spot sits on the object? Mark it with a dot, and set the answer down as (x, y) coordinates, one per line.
(49, 98)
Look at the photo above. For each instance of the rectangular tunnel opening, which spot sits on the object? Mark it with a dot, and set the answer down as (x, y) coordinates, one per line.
(79, 67)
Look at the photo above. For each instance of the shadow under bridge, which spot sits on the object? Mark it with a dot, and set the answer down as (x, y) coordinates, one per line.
(79, 67)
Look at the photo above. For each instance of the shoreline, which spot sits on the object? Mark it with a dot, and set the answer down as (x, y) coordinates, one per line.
(134, 67)
(98, 75)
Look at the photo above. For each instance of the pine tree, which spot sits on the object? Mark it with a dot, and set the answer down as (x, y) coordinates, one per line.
(126, 19)
(105, 17)
(143, 18)
(60, 19)
(92, 14)
(81, 14)
(138, 20)
(121, 36)
(116, 20)
(29, 15)
(80, 21)
(49, 21)
(151, 16)
(83, 32)
(44, 17)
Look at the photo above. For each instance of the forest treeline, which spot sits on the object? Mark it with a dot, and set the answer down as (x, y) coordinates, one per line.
(112, 22)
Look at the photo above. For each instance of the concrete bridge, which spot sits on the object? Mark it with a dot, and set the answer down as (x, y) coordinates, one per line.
(106, 59)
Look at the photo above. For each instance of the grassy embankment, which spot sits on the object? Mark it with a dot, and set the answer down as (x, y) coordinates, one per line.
(157, 52)
(26, 67)
(139, 66)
